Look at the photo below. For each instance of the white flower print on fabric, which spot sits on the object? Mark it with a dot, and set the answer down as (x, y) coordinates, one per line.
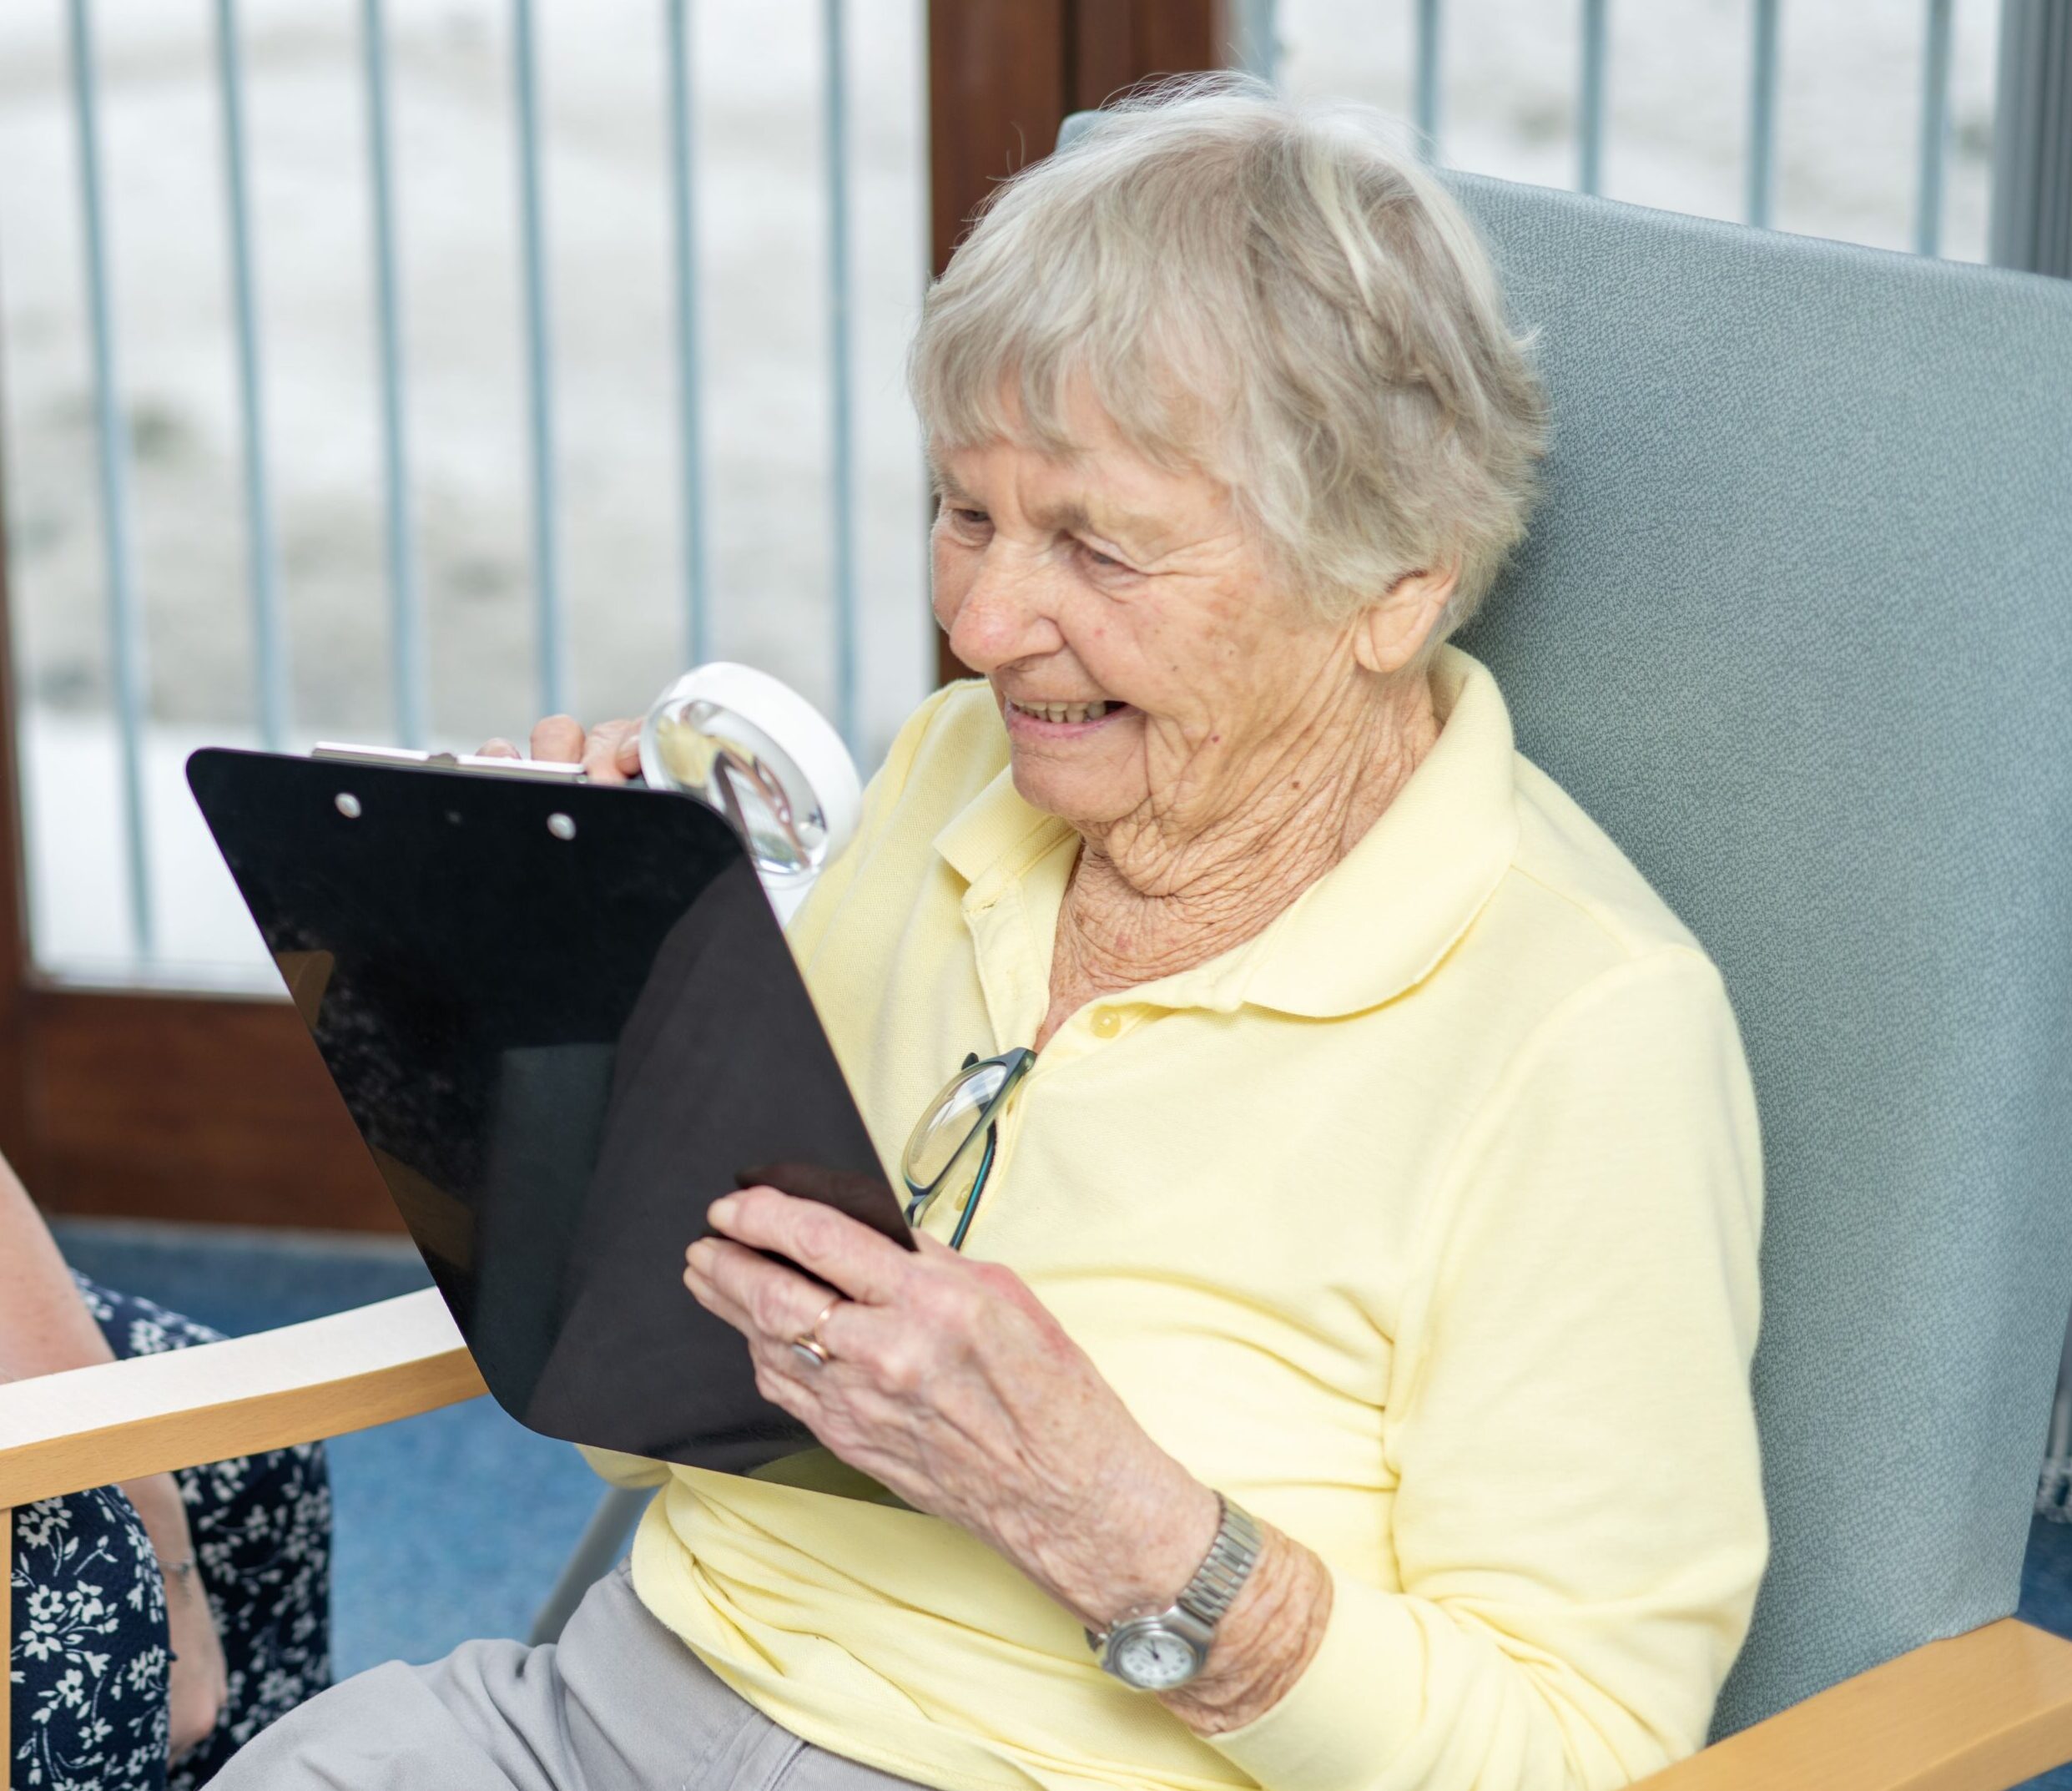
(90, 1657)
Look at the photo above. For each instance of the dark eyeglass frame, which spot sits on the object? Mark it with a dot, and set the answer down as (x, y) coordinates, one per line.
(1014, 1064)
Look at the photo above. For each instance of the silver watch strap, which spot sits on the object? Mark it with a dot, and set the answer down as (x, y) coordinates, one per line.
(1231, 1555)
(1225, 1568)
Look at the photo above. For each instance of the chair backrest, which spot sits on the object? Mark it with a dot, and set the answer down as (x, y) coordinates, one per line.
(1795, 625)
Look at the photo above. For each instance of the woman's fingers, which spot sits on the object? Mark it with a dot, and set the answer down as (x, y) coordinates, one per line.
(752, 1294)
(768, 1304)
(841, 1251)
(612, 754)
(609, 753)
(559, 739)
(699, 1263)
(858, 1401)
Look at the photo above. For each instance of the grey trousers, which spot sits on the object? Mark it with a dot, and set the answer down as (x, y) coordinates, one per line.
(619, 1704)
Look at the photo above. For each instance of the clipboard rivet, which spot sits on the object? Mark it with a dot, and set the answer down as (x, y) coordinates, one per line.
(561, 826)
(347, 804)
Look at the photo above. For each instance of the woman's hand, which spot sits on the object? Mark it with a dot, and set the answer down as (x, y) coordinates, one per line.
(949, 1384)
(200, 1682)
(609, 752)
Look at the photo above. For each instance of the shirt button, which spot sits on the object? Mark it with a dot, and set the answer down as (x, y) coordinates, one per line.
(1106, 1022)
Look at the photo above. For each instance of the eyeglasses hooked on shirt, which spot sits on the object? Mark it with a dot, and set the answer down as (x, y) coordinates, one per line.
(951, 1150)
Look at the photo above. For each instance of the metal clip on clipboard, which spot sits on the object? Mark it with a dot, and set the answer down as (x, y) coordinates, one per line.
(744, 743)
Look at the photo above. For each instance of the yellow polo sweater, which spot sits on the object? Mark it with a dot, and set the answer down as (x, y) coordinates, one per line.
(1424, 1223)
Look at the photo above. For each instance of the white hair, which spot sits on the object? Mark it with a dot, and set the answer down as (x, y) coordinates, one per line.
(1276, 293)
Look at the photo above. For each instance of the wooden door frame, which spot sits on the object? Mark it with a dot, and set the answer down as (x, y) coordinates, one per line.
(1004, 75)
(183, 1106)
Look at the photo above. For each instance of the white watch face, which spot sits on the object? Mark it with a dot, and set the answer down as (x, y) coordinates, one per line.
(1154, 1660)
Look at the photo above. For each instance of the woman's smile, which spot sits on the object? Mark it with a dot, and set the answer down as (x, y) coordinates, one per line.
(1029, 720)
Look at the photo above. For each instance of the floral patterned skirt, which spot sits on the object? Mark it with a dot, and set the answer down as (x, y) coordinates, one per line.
(90, 1654)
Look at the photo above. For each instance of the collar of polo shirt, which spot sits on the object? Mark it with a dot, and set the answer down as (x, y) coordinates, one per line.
(1371, 927)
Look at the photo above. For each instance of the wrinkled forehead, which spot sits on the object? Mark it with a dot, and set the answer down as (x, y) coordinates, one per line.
(1073, 456)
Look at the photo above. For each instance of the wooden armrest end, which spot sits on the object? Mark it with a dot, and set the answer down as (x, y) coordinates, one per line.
(1979, 1712)
(120, 1421)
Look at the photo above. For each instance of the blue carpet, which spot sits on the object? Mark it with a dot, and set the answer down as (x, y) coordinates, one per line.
(456, 1524)
(448, 1526)
(2047, 1602)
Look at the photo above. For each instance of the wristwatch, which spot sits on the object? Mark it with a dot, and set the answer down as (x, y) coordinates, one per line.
(1158, 1651)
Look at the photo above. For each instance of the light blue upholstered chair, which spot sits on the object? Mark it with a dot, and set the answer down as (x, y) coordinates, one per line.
(1795, 625)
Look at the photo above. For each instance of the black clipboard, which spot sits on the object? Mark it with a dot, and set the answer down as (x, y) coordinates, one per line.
(564, 1019)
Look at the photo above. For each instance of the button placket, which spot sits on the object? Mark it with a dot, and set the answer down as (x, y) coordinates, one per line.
(1008, 978)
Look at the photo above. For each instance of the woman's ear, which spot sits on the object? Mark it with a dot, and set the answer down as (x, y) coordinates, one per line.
(1391, 632)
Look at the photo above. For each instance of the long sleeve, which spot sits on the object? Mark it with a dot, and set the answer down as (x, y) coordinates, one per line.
(620, 1468)
(1578, 1524)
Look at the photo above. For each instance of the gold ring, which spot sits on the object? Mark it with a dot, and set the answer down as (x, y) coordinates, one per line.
(808, 1344)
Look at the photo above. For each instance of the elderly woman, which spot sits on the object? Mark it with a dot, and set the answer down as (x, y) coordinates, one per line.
(1342, 1380)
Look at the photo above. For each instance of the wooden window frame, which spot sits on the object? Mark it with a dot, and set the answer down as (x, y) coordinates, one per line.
(181, 1105)
(1004, 75)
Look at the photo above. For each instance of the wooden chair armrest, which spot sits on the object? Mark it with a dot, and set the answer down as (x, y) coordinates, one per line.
(1980, 1711)
(120, 1421)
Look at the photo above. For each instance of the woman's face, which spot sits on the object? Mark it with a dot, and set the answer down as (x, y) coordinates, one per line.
(1149, 672)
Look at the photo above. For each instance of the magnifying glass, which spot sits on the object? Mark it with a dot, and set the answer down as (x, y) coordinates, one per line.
(749, 745)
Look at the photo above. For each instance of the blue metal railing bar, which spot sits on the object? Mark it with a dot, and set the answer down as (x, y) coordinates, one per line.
(1935, 58)
(270, 654)
(1425, 92)
(690, 392)
(406, 648)
(1589, 103)
(125, 619)
(843, 469)
(1255, 44)
(552, 642)
(1763, 116)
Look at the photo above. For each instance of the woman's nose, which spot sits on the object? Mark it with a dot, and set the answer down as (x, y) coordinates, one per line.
(1003, 613)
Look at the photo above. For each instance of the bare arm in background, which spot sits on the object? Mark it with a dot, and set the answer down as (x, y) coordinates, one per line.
(44, 1328)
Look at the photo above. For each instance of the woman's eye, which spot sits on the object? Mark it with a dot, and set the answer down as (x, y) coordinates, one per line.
(969, 519)
(1105, 561)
